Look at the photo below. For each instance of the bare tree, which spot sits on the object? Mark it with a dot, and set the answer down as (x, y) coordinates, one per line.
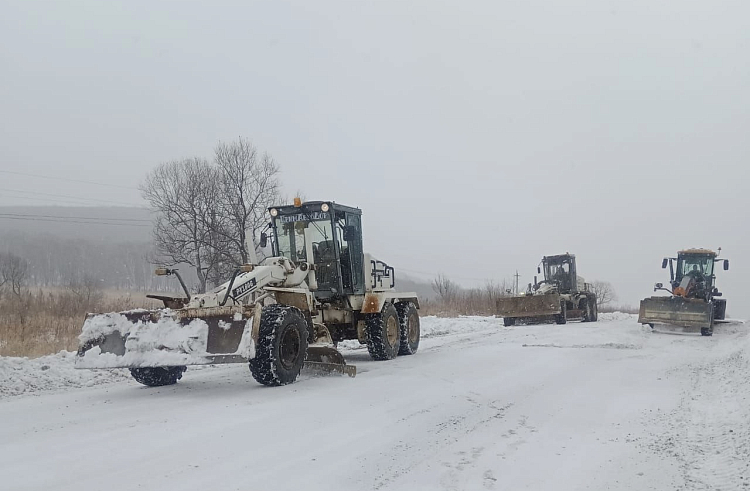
(445, 288)
(13, 272)
(249, 186)
(605, 292)
(188, 226)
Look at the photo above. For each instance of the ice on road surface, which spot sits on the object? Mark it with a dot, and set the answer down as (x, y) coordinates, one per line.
(605, 405)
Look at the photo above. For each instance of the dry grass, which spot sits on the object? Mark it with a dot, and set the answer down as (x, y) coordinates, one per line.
(46, 321)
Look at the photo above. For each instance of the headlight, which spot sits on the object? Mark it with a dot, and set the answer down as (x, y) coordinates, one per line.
(324, 207)
(273, 212)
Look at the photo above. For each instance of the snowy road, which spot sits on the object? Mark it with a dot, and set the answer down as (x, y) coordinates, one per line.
(583, 406)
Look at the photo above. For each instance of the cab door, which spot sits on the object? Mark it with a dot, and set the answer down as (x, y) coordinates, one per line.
(354, 255)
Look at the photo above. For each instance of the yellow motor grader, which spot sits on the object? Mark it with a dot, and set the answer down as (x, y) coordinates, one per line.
(290, 310)
(693, 300)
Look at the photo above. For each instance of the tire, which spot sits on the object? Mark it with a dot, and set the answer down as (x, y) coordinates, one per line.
(707, 331)
(594, 310)
(408, 319)
(562, 317)
(382, 333)
(509, 321)
(157, 376)
(588, 312)
(282, 346)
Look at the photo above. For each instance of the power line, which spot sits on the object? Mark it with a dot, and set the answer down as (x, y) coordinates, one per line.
(67, 179)
(93, 200)
(76, 217)
(433, 274)
(74, 221)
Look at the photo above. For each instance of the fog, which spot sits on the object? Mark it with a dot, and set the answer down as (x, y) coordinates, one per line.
(475, 136)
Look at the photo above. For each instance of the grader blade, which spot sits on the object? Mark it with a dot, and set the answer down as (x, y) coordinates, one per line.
(327, 359)
(327, 368)
(163, 338)
(676, 311)
(529, 305)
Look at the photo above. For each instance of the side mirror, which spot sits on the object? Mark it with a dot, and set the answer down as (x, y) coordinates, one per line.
(664, 263)
(726, 264)
(263, 239)
(350, 233)
(539, 270)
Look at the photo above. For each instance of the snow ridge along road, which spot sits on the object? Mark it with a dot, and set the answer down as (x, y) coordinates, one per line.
(605, 405)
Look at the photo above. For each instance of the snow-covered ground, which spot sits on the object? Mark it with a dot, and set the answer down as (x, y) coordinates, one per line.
(606, 405)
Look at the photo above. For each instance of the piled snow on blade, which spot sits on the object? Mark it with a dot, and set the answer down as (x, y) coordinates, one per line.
(162, 343)
(53, 372)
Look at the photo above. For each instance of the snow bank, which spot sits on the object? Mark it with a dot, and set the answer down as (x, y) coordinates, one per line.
(432, 326)
(616, 316)
(52, 372)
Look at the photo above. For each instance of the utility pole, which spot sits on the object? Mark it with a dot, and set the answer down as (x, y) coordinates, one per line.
(517, 276)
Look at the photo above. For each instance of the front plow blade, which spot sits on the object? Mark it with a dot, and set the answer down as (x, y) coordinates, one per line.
(529, 305)
(327, 359)
(676, 311)
(163, 338)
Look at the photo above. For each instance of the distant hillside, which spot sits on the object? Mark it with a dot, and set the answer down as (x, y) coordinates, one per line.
(112, 244)
(110, 224)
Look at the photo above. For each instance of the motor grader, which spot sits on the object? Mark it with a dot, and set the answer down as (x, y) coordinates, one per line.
(561, 296)
(693, 301)
(292, 309)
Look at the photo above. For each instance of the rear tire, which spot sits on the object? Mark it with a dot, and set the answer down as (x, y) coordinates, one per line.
(587, 310)
(509, 321)
(382, 334)
(707, 331)
(594, 309)
(157, 376)
(562, 317)
(408, 318)
(282, 346)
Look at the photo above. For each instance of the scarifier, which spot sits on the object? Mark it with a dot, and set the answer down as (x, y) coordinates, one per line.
(693, 302)
(322, 289)
(562, 295)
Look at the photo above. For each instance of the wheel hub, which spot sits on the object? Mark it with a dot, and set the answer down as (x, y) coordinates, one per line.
(290, 348)
(392, 331)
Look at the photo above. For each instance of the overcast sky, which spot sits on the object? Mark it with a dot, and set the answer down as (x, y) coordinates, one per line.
(476, 136)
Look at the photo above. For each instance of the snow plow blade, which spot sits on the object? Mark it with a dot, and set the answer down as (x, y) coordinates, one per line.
(676, 311)
(327, 359)
(167, 338)
(529, 306)
(161, 338)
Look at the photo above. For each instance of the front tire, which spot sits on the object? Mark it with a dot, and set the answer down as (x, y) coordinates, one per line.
(562, 317)
(509, 321)
(282, 346)
(157, 376)
(408, 319)
(707, 331)
(382, 334)
(588, 312)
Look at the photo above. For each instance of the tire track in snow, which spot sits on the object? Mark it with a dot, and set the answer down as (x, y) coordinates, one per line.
(710, 432)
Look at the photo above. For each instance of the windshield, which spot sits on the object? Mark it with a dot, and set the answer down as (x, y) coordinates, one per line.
(291, 235)
(700, 264)
(557, 271)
